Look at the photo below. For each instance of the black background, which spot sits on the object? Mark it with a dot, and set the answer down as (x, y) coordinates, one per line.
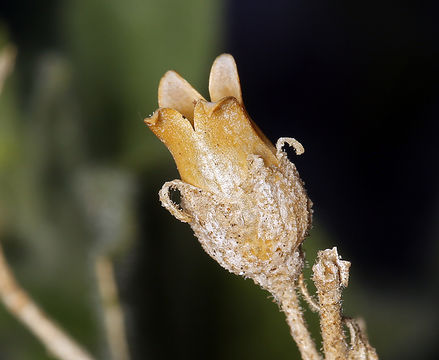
(358, 84)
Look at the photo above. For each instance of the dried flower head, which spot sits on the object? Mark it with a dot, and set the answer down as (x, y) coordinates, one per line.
(241, 195)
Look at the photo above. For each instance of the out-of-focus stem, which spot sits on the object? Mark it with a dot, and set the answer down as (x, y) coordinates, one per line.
(112, 311)
(18, 302)
(291, 307)
(7, 59)
(330, 276)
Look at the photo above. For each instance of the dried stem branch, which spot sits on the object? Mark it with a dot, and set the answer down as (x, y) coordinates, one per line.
(360, 347)
(291, 307)
(113, 315)
(313, 304)
(330, 275)
(18, 302)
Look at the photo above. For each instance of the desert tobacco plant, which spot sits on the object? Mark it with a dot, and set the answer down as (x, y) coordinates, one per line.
(247, 205)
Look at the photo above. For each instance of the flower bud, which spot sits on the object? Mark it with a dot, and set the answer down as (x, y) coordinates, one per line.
(242, 197)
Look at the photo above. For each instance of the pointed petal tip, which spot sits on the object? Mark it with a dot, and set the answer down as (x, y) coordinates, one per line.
(176, 93)
(167, 76)
(224, 79)
(225, 57)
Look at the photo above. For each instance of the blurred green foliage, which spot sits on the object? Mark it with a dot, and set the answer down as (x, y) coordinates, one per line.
(73, 146)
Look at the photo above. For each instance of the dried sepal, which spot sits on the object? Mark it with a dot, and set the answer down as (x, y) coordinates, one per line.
(174, 208)
(297, 146)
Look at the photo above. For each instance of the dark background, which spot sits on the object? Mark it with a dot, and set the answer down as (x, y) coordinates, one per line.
(358, 84)
(355, 82)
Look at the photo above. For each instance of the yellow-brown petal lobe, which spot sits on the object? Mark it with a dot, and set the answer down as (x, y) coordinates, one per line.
(176, 93)
(224, 79)
(229, 137)
(177, 134)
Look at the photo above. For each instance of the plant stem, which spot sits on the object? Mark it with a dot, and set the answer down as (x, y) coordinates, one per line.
(7, 59)
(330, 276)
(18, 302)
(113, 315)
(291, 307)
(313, 304)
(360, 346)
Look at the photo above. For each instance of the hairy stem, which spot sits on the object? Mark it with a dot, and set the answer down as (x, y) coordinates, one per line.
(360, 347)
(299, 331)
(18, 302)
(312, 303)
(330, 276)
